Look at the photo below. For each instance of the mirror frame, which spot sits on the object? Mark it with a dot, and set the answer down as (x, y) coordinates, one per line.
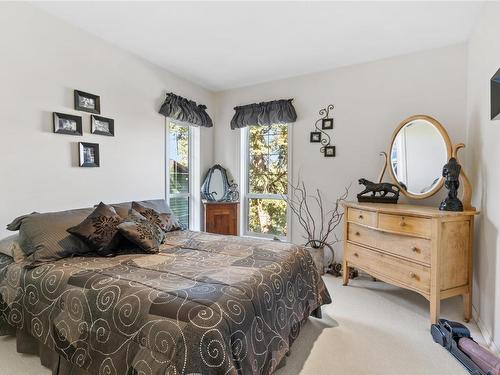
(447, 142)
(207, 195)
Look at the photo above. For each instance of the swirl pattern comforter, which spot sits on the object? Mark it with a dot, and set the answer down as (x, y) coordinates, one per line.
(206, 304)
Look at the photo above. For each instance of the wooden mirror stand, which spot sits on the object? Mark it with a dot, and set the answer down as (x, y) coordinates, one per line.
(452, 151)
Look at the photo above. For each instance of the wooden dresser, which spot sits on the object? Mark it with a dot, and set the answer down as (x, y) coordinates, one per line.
(415, 247)
(222, 217)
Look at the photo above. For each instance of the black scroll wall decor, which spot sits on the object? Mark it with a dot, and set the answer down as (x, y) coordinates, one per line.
(325, 122)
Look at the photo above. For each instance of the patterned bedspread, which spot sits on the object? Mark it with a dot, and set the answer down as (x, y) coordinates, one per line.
(206, 304)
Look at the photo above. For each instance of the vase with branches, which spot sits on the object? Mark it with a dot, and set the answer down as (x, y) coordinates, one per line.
(318, 221)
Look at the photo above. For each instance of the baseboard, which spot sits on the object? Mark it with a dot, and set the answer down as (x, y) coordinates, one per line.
(486, 334)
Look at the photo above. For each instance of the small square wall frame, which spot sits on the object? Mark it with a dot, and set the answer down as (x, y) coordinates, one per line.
(495, 96)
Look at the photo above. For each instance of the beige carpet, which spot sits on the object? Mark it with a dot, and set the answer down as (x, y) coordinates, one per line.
(371, 328)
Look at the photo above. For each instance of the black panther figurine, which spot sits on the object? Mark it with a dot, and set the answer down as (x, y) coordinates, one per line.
(377, 192)
(451, 171)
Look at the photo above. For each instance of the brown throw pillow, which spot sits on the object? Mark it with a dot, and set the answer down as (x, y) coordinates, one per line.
(159, 205)
(7, 244)
(18, 254)
(99, 229)
(44, 237)
(166, 221)
(16, 223)
(139, 230)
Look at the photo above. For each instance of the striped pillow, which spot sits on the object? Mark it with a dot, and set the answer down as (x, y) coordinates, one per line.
(44, 237)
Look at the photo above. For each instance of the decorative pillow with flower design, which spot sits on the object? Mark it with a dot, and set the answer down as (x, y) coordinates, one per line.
(141, 231)
(99, 229)
(166, 221)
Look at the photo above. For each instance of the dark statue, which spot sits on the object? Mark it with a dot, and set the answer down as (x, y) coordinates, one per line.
(378, 192)
(451, 172)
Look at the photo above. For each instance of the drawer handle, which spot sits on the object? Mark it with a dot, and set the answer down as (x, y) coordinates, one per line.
(415, 249)
(356, 255)
(402, 223)
(361, 217)
(357, 233)
(413, 275)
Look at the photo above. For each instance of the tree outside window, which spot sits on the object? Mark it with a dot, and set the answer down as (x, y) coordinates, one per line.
(267, 179)
(178, 170)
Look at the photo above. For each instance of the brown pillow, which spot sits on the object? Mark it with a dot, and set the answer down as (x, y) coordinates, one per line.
(99, 229)
(18, 254)
(139, 230)
(44, 237)
(16, 223)
(7, 244)
(166, 221)
(159, 205)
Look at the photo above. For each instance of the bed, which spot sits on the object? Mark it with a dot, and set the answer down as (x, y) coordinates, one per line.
(205, 303)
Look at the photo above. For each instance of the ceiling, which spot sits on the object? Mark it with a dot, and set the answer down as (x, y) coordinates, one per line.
(223, 45)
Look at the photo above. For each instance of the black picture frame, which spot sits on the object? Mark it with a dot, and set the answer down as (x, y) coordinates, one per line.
(495, 96)
(327, 123)
(315, 137)
(97, 126)
(87, 102)
(329, 151)
(88, 154)
(66, 124)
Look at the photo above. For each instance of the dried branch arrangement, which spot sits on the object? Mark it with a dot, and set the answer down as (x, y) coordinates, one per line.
(319, 228)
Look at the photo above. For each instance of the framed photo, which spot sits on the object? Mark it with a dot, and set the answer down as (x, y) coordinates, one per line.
(330, 151)
(87, 102)
(495, 96)
(315, 137)
(67, 124)
(89, 154)
(102, 125)
(327, 123)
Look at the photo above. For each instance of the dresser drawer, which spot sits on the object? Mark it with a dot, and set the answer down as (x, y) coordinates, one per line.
(362, 217)
(387, 267)
(413, 248)
(405, 224)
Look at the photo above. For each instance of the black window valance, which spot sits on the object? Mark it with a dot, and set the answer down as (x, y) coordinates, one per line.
(185, 110)
(265, 113)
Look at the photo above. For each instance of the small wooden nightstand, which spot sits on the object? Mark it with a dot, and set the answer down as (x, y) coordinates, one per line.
(222, 217)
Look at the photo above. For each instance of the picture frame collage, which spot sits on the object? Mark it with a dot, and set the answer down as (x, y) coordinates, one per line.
(64, 123)
(319, 135)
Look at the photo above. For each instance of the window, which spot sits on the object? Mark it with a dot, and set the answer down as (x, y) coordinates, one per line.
(179, 171)
(265, 176)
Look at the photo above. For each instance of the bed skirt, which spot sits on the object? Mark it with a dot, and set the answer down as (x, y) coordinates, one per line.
(27, 344)
(49, 358)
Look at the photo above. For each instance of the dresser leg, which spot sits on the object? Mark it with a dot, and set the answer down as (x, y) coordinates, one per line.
(435, 308)
(467, 307)
(345, 273)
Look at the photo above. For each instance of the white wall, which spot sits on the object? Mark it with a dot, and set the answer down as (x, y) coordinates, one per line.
(370, 101)
(483, 162)
(42, 60)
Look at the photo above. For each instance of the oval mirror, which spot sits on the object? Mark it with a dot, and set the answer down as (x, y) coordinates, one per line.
(419, 149)
(216, 186)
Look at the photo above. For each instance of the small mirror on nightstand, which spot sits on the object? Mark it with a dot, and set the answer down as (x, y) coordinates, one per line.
(217, 187)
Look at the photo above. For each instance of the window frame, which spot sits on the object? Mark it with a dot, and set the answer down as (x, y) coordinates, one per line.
(193, 145)
(246, 195)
